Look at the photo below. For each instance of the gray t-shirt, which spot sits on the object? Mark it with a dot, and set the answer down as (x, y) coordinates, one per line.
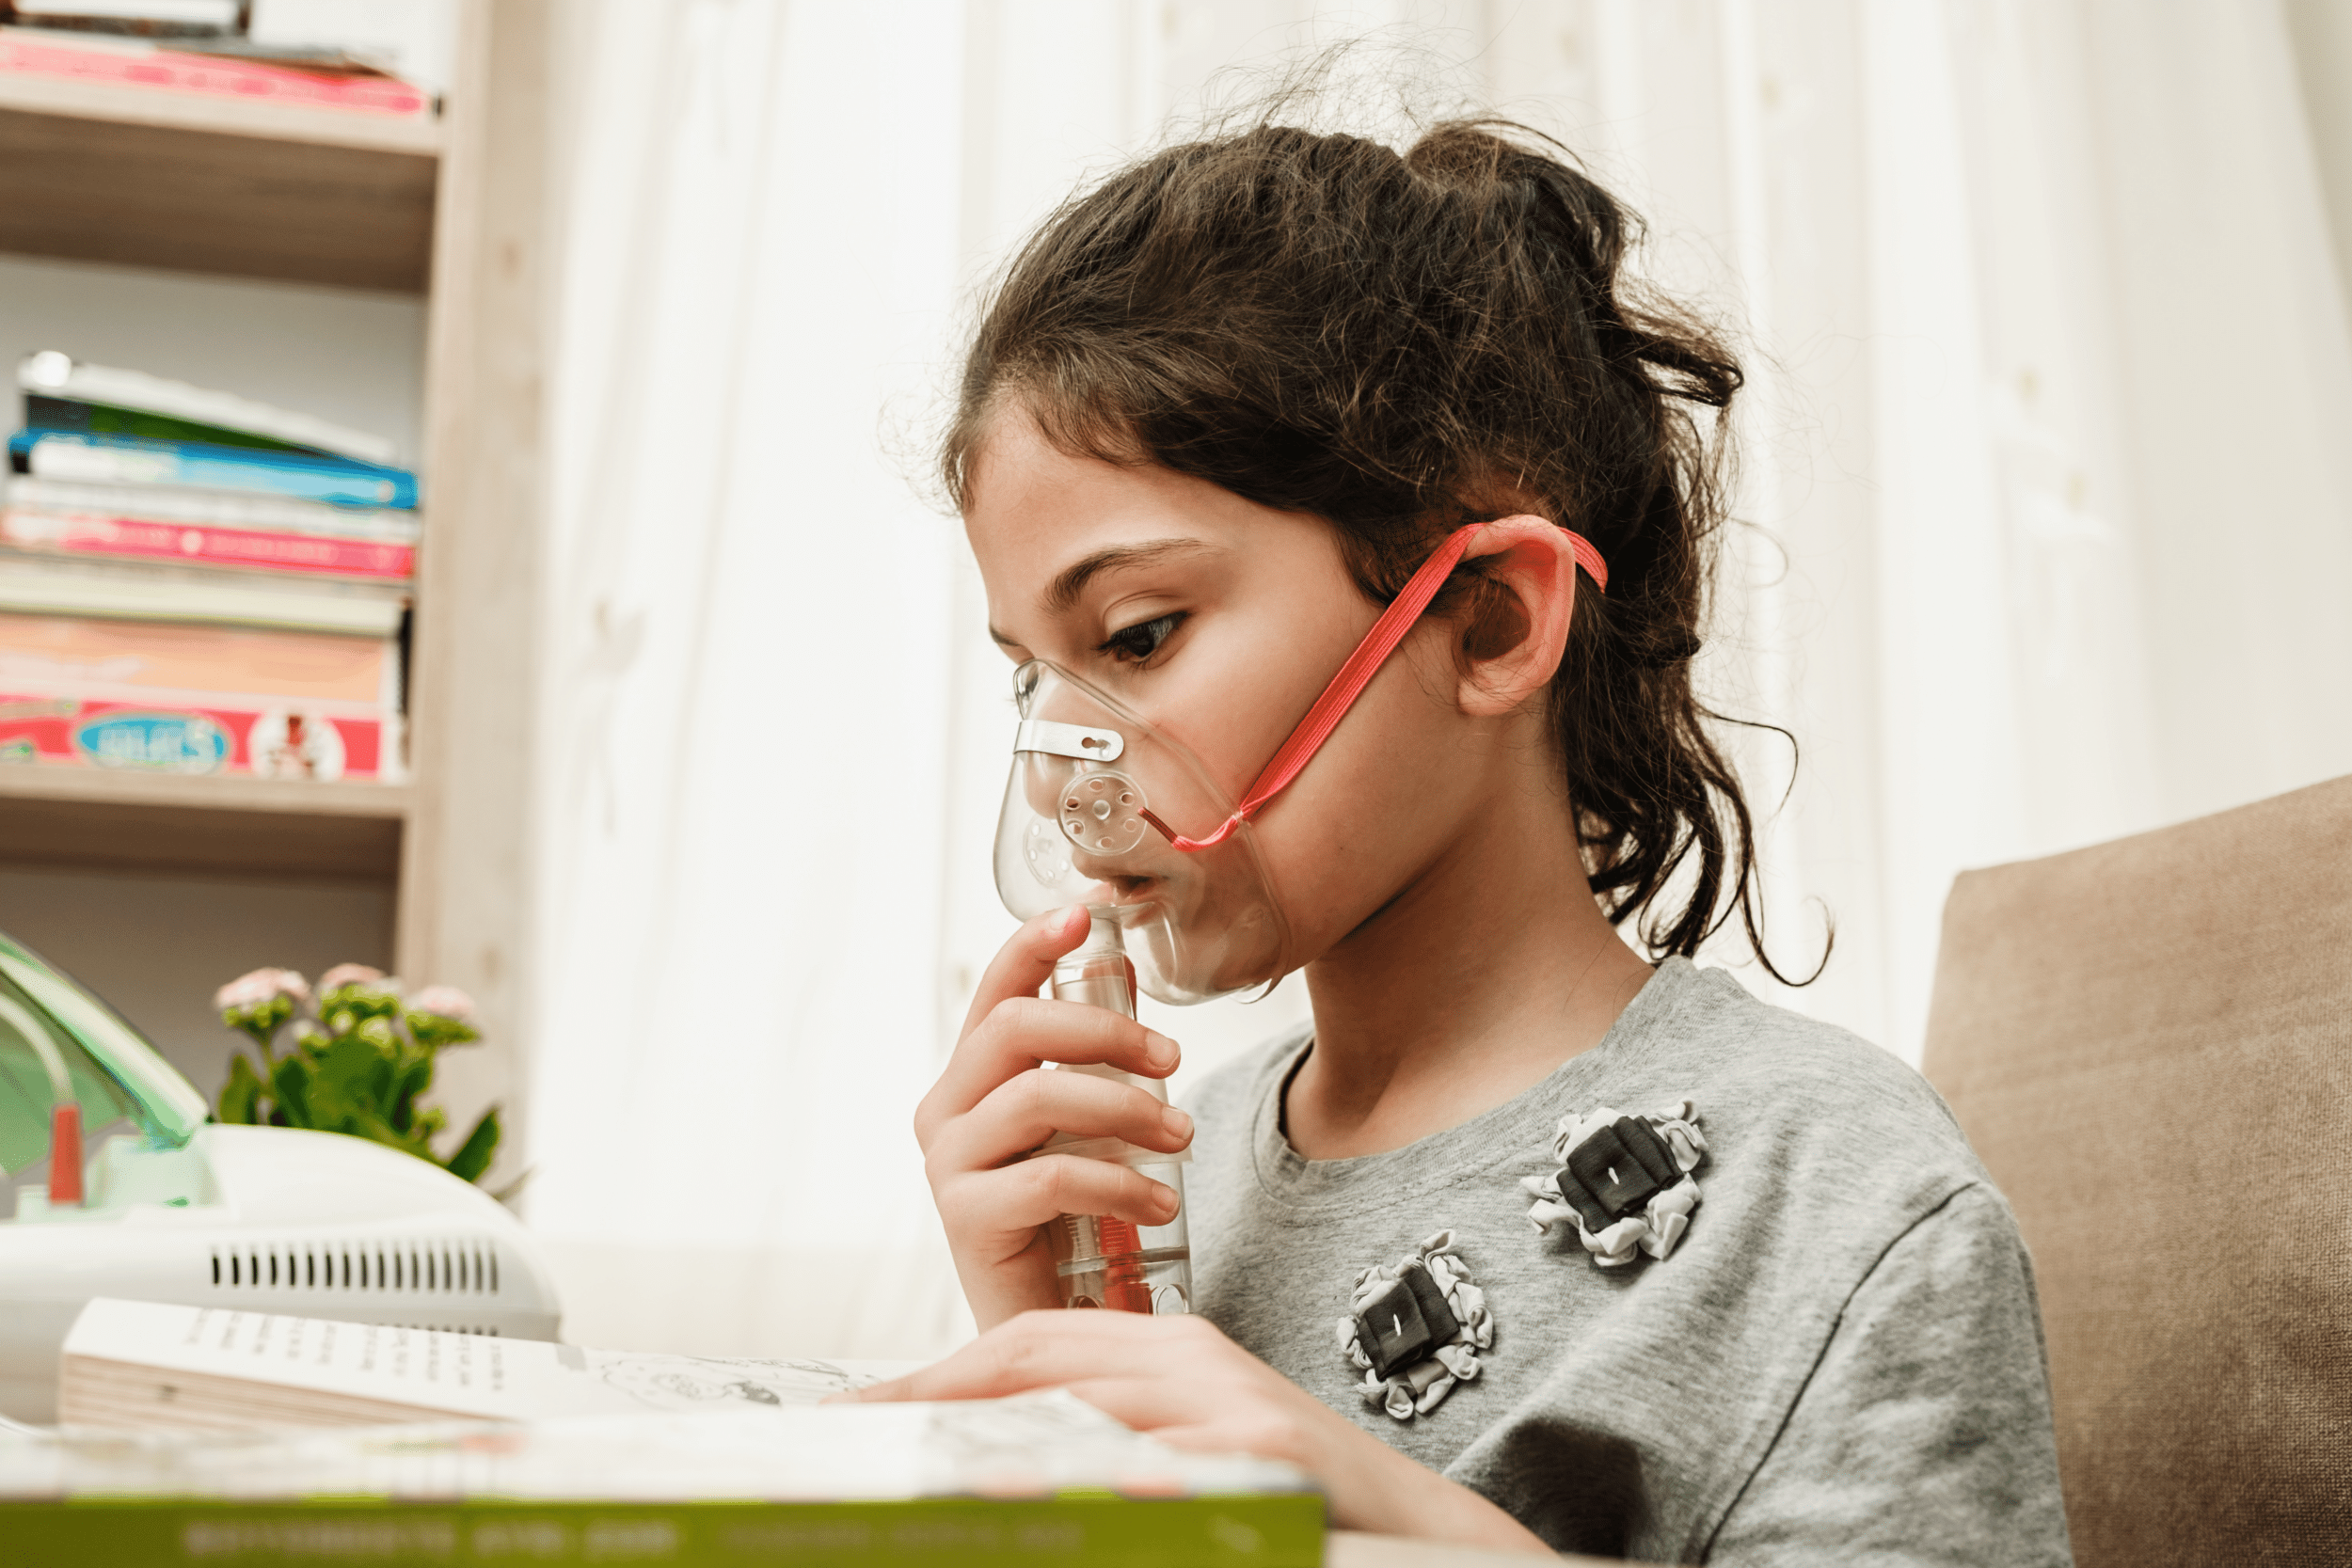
(1839, 1361)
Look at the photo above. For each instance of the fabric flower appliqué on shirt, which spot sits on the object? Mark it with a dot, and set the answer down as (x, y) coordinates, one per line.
(1415, 1329)
(1624, 1181)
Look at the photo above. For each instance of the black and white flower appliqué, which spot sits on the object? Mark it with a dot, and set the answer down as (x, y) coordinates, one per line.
(1625, 1181)
(1415, 1329)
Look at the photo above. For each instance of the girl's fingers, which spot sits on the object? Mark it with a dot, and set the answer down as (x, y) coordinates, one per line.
(1021, 1032)
(1045, 1350)
(1012, 1202)
(1019, 1114)
(1154, 1404)
(1026, 962)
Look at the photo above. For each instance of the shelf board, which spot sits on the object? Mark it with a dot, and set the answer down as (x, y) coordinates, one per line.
(102, 820)
(203, 183)
(124, 104)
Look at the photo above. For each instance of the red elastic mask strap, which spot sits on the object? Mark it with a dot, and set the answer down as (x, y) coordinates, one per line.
(1357, 673)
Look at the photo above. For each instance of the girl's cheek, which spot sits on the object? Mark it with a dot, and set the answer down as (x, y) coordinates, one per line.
(1389, 790)
(1240, 710)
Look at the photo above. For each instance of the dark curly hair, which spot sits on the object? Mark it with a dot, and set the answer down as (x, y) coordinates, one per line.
(1400, 344)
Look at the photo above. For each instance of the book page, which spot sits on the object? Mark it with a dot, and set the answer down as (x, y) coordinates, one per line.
(1040, 1445)
(461, 1375)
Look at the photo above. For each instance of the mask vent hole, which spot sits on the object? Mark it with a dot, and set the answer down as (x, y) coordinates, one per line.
(1103, 814)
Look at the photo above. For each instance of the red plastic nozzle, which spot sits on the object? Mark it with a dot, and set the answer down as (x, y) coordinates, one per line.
(65, 1154)
(1124, 1289)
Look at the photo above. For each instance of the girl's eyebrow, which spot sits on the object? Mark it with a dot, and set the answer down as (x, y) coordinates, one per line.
(1064, 589)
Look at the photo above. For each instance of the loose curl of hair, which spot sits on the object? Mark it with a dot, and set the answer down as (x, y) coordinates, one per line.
(1398, 344)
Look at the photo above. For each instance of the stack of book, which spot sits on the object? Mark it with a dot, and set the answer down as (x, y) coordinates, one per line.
(183, 1442)
(192, 582)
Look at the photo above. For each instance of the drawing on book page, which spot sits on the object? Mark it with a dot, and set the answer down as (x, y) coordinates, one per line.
(702, 1383)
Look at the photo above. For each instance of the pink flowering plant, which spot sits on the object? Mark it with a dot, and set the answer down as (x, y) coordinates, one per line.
(359, 1056)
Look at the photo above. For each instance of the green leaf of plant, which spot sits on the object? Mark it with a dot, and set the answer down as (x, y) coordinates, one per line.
(368, 1125)
(348, 1003)
(289, 1086)
(474, 1156)
(411, 1078)
(240, 1097)
(436, 1030)
(351, 1081)
(261, 1022)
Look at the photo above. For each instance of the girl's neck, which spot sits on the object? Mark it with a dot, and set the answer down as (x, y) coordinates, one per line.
(1491, 969)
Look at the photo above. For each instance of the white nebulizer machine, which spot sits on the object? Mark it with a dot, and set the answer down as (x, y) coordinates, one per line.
(159, 1203)
(1090, 819)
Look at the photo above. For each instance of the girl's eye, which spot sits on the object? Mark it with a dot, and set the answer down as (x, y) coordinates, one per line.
(1136, 644)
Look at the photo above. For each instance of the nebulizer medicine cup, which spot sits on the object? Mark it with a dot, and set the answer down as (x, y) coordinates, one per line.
(1096, 795)
(1100, 1260)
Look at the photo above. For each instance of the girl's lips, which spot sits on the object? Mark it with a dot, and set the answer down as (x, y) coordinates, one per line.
(1125, 888)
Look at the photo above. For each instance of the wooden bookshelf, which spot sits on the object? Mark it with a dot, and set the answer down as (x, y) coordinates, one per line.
(209, 183)
(277, 829)
(450, 209)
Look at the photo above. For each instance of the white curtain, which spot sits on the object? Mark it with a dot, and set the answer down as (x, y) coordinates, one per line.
(742, 733)
(2045, 515)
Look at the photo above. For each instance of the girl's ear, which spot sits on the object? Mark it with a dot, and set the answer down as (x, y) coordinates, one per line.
(1511, 652)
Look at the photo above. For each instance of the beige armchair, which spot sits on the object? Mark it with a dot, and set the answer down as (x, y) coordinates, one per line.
(2149, 1044)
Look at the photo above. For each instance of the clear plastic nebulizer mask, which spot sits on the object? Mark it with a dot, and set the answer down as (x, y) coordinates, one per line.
(1093, 812)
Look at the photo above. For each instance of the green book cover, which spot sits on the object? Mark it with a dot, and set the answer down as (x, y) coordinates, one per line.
(99, 419)
(64, 393)
(1038, 1478)
(1268, 1531)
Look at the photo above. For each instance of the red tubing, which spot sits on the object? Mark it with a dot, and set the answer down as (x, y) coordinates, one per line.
(65, 1154)
(1357, 673)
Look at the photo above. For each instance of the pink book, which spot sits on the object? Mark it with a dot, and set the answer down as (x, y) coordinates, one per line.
(85, 533)
(136, 660)
(208, 75)
(178, 699)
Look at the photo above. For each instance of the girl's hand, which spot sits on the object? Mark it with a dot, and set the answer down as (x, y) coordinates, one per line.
(1187, 1384)
(996, 1101)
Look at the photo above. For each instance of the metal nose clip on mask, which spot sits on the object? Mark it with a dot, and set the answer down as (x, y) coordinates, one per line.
(1089, 817)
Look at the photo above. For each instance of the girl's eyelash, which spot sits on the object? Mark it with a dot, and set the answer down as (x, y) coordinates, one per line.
(1136, 644)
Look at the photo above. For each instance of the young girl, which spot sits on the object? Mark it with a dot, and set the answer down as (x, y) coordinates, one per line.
(1772, 1309)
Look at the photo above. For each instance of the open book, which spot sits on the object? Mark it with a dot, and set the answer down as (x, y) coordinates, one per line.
(587, 1457)
(137, 1366)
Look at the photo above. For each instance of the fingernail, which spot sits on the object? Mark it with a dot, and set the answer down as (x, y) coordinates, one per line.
(1178, 1124)
(1159, 1050)
(1165, 1197)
